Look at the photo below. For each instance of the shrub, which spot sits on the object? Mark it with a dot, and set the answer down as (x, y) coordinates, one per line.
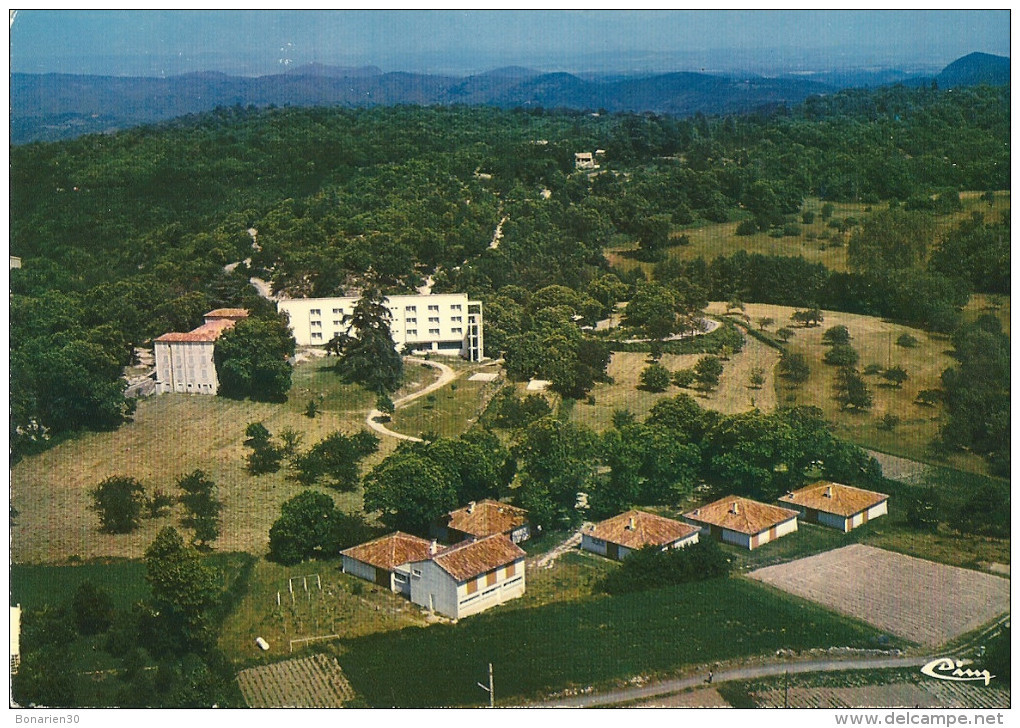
(785, 333)
(895, 375)
(655, 378)
(747, 227)
(808, 217)
(652, 568)
(92, 609)
(907, 341)
(794, 367)
(683, 377)
(888, 422)
(873, 369)
(827, 209)
(841, 355)
(118, 501)
(158, 504)
(836, 335)
(791, 229)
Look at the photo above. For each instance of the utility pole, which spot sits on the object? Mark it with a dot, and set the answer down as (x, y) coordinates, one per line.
(489, 690)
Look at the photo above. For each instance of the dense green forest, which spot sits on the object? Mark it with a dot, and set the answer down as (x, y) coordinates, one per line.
(126, 236)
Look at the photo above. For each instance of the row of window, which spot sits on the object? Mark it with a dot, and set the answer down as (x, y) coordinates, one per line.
(490, 578)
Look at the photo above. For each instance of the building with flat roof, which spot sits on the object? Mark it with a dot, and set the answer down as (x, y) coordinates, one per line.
(184, 361)
(441, 323)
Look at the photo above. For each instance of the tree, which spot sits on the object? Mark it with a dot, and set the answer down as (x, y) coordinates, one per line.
(827, 209)
(707, 371)
(655, 378)
(369, 357)
(785, 334)
(336, 458)
(653, 235)
(251, 359)
(841, 355)
(929, 397)
(794, 367)
(202, 506)
(765, 321)
(311, 409)
(891, 240)
(682, 416)
(310, 527)
(409, 490)
(836, 335)
(756, 378)
(653, 568)
(906, 341)
(810, 317)
(118, 501)
(851, 390)
(91, 608)
(183, 592)
(265, 456)
(653, 308)
(683, 378)
(896, 375)
(746, 227)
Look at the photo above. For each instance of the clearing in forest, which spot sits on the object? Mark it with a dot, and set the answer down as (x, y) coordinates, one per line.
(917, 600)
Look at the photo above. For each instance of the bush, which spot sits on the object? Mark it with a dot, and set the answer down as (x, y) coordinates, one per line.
(888, 422)
(652, 568)
(808, 217)
(895, 375)
(655, 378)
(907, 341)
(836, 335)
(791, 229)
(827, 209)
(683, 377)
(873, 369)
(118, 501)
(841, 355)
(794, 367)
(92, 609)
(747, 227)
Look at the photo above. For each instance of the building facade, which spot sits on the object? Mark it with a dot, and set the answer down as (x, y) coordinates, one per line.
(470, 577)
(836, 505)
(743, 522)
(184, 361)
(618, 536)
(442, 323)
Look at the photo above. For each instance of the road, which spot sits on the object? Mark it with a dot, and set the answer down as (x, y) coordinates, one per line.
(446, 375)
(668, 687)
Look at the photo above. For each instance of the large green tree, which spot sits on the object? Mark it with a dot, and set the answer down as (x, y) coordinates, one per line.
(118, 501)
(367, 355)
(310, 526)
(410, 490)
(251, 359)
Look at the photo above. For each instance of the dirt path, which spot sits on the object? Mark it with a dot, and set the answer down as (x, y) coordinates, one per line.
(446, 375)
(900, 469)
(546, 560)
(668, 687)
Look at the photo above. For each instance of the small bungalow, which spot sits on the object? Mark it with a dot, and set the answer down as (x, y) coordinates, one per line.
(385, 561)
(469, 577)
(616, 537)
(483, 518)
(836, 505)
(743, 522)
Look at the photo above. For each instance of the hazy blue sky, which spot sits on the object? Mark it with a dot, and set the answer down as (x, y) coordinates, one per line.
(119, 42)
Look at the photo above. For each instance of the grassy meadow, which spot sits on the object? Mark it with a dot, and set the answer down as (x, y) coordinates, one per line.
(452, 409)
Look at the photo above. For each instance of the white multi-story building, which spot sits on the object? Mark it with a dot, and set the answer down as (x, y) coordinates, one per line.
(184, 362)
(443, 323)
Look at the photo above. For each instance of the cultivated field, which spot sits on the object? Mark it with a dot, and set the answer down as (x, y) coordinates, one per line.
(875, 342)
(311, 682)
(733, 394)
(916, 600)
(713, 239)
(172, 435)
(928, 693)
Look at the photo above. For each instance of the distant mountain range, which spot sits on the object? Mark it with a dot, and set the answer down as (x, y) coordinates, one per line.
(56, 106)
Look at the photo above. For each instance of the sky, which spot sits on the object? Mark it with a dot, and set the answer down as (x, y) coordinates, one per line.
(119, 42)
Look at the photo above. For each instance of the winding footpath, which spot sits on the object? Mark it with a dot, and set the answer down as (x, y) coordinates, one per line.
(446, 375)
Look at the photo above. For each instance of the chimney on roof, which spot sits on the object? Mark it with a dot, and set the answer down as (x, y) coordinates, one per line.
(736, 508)
(828, 491)
(631, 525)
(433, 547)
(471, 507)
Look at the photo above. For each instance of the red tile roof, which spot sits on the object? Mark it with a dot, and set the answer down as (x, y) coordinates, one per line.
(487, 517)
(741, 514)
(391, 550)
(216, 322)
(835, 498)
(469, 559)
(636, 529)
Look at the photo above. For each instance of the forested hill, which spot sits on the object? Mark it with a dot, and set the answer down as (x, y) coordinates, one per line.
(126, 236)
(49, 107)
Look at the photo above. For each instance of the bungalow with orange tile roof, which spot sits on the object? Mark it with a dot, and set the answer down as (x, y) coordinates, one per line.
(742, 521)
(616, 537)
(184, 361)
(469, 577)
(483, 518)
(386, 560)
(836, 505)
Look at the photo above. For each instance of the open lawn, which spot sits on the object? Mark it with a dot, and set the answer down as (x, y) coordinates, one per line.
(734, 393)
(875, 341)
(911, 598)
(172, 435)
(591, 641)
(815, 241)
(451, 410)
(982, 303)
